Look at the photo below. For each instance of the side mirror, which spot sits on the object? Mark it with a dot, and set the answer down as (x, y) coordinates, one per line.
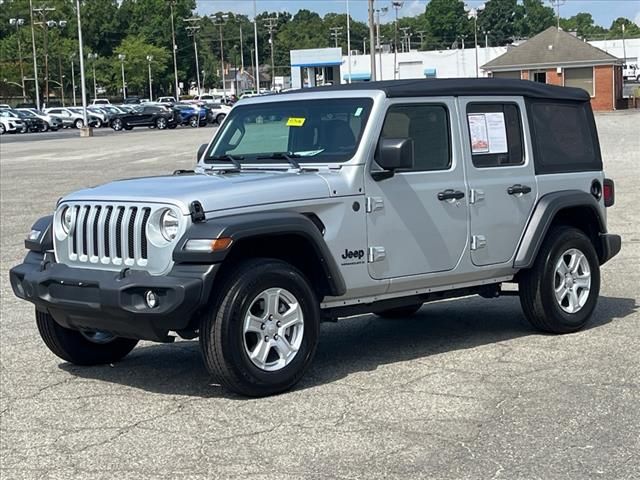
(201, 150)
(394, 154)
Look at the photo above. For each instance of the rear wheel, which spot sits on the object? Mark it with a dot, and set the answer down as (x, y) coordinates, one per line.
(400, 312)
(82, 348)
(560, 292)
(193, 122)
(263, 334)
(117, 124)
(220, 118)
(79, 123)
(98, 123)
(44, 127)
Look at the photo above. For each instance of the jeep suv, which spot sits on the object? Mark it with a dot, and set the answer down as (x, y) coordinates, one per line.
(325, 203)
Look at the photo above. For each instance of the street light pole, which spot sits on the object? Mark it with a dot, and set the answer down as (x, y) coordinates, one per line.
(149, 59)
(73, 80)
(473, 13)
(174, 49)
(93, 57)
(349, 40)
(192, 30)
(18, 22)
(87, 130)
(122, 58)
(372, 44)
(219, 23)
(35, 61)
(397, 5)
(271, 26)
(256, 72)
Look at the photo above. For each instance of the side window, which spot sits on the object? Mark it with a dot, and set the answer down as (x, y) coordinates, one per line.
(428, 126)
(565, 137)
(495, 131)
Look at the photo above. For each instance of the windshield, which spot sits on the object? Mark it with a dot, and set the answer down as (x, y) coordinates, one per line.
(313, 131)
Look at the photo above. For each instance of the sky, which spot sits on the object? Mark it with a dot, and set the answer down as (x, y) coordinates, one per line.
(604, 11)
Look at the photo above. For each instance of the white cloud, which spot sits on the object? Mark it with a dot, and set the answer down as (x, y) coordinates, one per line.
(412, 8)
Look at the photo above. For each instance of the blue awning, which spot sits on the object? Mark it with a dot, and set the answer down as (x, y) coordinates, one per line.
(358, 77)
(430, 73)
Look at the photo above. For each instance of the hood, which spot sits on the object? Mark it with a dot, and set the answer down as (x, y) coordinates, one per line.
(214, 191)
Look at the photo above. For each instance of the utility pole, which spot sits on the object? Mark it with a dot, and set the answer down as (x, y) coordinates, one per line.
(46, 24)
(35, 60)
(384, 11)
(219, 22)
(86, 130)
(473, 13)
(406, 39)
(192, 31)
(372, 44)
(256, 72)
(557, 4)
(73, 79)
(18, 22)
(122, 57)
(93, 57)
(174, 50)
(61, 79)
(241, 50)
(335, 33)
(397, 5)
(624, 45)
(271, 24)
(421, 34)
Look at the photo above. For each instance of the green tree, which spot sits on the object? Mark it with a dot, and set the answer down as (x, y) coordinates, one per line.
(583, 24)
(447, 22)
(499, 17)
(136, 49)
(533, 17)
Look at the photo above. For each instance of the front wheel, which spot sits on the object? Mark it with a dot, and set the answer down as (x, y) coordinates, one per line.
(79, 123)
(117, 124)
(220, 118)
(161, 123)
(3, 129)
(193, 122)
(82, 348)
(44, 127)
(560, 292)
(263, 334)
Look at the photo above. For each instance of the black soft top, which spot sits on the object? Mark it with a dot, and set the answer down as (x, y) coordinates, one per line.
(463, 87)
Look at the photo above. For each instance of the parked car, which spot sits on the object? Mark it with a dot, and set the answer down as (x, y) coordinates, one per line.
(193, 115)
(363, 198)
(216, 112)
(103, 116)
(131, 100)
(145, 116)
(10, 122)
(33, 123)
(72, 117)
(168, 101)
(100, 101)
(52, 122)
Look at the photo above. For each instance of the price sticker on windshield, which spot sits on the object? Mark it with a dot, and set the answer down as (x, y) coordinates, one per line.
(295, 122)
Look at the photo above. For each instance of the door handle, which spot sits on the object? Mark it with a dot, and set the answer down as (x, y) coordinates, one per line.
(450, 194)
(518, 189)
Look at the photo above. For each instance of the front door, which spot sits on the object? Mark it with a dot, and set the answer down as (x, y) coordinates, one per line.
(417, 219)
(500, 175)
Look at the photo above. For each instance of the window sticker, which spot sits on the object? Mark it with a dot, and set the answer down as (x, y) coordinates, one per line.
(479, 134)
(488, 133)
(295, 122)
(358, 112)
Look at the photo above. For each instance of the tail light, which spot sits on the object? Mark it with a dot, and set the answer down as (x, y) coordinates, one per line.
(609, 192)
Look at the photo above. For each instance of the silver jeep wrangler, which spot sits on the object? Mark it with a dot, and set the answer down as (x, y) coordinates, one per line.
(325, 203)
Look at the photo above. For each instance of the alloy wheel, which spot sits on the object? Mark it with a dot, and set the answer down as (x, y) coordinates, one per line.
(572, 280)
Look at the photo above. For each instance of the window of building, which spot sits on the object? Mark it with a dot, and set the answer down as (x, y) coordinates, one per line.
(515, 75)
(428, 126)
(579, 78)
(540, 77)
(495, 132)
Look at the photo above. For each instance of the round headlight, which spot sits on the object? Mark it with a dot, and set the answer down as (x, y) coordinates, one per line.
(66, 220)
(169, 223)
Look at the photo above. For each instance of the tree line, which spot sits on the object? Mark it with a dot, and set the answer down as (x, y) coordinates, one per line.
(125, 33)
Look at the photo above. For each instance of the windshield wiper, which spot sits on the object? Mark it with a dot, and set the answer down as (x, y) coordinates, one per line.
(288, 156)
(235, 160)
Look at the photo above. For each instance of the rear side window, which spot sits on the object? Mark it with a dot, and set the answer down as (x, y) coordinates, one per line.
(565, 137)
(428, 126)
(495, 132)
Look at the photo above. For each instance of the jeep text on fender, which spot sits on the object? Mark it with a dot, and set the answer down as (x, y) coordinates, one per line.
(325, 203)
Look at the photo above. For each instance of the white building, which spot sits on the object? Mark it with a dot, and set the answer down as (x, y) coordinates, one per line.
(617, 48)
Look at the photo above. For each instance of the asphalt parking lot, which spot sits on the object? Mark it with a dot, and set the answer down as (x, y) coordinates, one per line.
(464, 389)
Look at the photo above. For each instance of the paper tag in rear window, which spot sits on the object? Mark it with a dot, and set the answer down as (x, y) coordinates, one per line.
(295, 122)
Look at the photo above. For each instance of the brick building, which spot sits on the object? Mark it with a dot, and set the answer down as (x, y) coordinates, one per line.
(560, 58)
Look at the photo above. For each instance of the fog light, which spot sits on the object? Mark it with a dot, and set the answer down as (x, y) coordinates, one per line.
(151, 298)
(34, 235)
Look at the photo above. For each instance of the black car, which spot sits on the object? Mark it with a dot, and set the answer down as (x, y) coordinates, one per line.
(31, 122)
(145, 116)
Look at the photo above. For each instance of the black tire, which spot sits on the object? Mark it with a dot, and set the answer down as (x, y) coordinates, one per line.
(3, 129)
(74, 347)
(222, 338)
(220, 118)
(161, 123)
(193, 122)
(536, 286)
(44, 127)
(117, 124)
(127, 127)
(98, 123)
(79, 123)
(400, 312)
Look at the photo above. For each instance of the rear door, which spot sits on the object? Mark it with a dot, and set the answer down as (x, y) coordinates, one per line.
(500, 175)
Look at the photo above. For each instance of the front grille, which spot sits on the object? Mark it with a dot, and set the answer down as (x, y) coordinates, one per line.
(109, 234)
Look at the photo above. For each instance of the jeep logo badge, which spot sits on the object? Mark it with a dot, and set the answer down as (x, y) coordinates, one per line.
(352, 257)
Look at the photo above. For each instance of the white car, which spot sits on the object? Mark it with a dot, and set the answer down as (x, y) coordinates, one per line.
(9, 123)
(100, 101)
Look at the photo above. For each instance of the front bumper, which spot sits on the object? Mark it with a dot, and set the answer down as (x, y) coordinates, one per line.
(611, 245)
(85, 299)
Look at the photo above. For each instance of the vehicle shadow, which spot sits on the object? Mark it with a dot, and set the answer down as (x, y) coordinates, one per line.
(357, 344)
